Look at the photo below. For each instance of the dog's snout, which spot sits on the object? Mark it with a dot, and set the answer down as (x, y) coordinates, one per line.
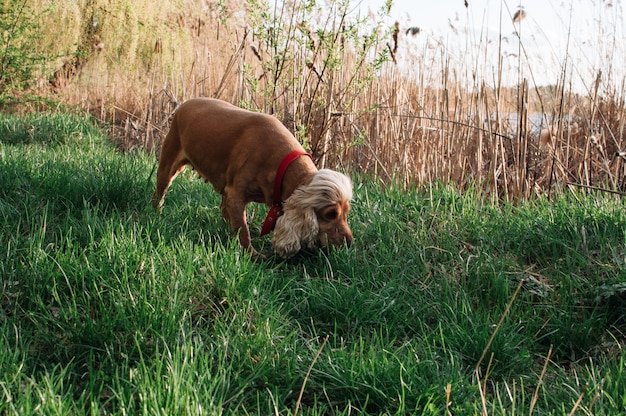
(347, 238)
(337, 238)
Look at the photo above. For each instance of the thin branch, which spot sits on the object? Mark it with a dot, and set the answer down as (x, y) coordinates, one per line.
(306, 377)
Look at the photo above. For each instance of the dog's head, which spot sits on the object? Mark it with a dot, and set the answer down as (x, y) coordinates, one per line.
(315, 214)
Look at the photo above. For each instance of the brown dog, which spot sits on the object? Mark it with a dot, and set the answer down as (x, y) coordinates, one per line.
(248, 157)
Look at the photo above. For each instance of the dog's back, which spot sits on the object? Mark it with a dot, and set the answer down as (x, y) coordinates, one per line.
(223, 142)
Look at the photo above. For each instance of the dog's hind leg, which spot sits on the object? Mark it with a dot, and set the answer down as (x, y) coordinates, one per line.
(224, 209)
(171, 162)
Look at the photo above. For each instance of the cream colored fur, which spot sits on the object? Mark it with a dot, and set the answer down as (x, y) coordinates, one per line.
(298, 226)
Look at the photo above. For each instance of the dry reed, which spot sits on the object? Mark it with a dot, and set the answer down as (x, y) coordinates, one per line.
(327, 74)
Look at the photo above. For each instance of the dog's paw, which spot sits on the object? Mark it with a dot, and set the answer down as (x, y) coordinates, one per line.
(256, 256)
(259, 257)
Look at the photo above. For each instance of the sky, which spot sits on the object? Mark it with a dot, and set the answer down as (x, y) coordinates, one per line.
(575, 37)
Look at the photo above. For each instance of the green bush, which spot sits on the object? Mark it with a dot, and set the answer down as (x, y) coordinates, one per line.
(18, 55)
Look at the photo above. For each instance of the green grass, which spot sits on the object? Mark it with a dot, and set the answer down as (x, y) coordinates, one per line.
(108, 307)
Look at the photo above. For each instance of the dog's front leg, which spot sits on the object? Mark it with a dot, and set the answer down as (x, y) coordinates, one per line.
(244, 235)
(234, 211)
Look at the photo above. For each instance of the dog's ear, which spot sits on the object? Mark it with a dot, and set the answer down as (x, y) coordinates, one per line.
(297, 226)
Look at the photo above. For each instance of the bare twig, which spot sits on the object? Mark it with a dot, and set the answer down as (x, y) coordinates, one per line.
(306, 377)
(597, 188)
(543, 373)
(506, 312)
(578, 402)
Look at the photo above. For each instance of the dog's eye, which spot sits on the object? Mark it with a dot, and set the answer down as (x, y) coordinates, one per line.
(330, 215)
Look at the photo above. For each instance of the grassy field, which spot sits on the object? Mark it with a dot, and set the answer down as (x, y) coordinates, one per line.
(446, 303)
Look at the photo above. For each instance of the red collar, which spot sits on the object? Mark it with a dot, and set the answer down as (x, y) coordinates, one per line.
(277, 207)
